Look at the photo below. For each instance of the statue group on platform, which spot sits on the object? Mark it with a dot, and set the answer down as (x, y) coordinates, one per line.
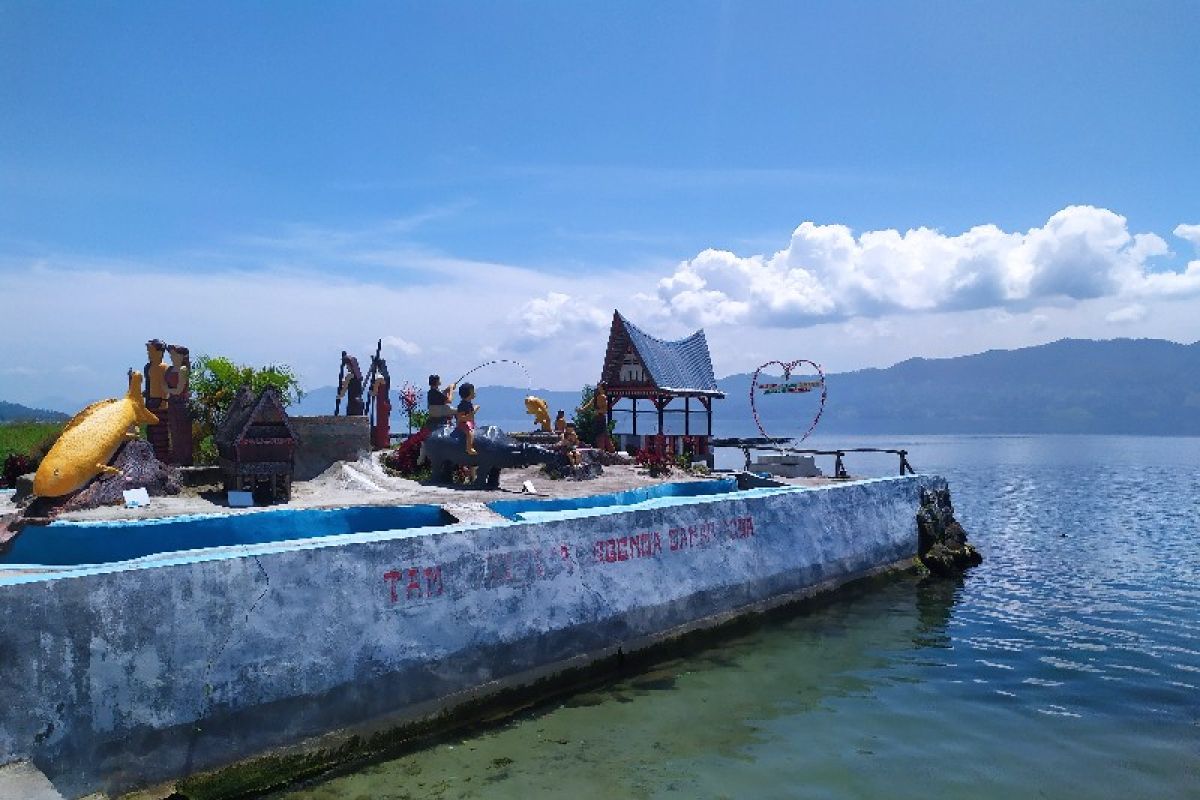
(376, 405)
(165, 389)
(370, 396)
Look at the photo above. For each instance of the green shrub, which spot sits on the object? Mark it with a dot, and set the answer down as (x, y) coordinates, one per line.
(589, 424)
(214, 382)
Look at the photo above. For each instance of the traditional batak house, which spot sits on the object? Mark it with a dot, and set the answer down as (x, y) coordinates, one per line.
(640, 369)
(256, 445)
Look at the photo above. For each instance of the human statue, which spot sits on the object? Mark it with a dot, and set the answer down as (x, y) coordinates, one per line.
(179, 418)
(438, 403)
(599, 403)
(351, 386)
(381, 430)
(540, 411)
(466, 412)
(570, 445)
(156, 394)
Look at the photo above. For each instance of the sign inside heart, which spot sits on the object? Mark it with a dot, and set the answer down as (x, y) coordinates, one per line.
(788, 388)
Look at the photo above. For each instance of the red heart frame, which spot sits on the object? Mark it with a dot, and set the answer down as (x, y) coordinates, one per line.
(787, 372)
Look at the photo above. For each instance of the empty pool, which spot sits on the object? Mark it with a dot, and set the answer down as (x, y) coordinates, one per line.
(76, 543)
(527, 510)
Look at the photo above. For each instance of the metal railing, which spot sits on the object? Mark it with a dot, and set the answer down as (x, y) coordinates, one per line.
(747, 446)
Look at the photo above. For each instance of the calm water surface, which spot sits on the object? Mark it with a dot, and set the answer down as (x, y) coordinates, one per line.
(1067, 666)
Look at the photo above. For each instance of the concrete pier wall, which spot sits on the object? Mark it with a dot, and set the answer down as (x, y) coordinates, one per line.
(117, 677)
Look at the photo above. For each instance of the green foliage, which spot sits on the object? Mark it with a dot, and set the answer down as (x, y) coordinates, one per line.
(405, 461)
(216, 380)
(22, 447)
(28, 438)
(417, 418)
(588, 423)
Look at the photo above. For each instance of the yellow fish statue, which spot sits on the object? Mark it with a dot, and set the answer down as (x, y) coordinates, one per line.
(541, 412)
(90, 440)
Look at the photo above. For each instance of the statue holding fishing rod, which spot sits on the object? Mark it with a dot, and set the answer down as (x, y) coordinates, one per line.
(483, 449)
(437, 402)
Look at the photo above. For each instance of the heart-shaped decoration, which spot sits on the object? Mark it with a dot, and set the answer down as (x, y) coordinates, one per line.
(786, 388)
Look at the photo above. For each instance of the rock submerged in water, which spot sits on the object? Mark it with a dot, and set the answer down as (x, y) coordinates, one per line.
(941, 541)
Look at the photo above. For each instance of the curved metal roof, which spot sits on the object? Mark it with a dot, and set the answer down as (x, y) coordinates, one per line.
(683, 366)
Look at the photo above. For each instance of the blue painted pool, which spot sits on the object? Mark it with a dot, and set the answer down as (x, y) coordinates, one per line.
(519, 509)
(76, 543)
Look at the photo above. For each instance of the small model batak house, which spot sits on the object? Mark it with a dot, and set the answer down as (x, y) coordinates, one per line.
(256, 445)
(639, 367)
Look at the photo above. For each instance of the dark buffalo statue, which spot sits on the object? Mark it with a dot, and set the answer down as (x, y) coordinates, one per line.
(445, 449)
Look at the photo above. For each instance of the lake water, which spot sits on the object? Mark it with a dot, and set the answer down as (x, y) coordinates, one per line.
(1067, 666)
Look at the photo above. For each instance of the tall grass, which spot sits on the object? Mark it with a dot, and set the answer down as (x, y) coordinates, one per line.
(27, 438)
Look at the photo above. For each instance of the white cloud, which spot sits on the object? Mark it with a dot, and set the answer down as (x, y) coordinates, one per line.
(554, 316)
(1127, 314)
(827, 273)
(1189, 233)
(402, 346)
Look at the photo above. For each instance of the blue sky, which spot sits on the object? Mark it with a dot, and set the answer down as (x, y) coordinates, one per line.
(445, 174)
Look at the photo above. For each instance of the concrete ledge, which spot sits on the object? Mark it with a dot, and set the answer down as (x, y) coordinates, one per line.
(23, 781)
(324, 440)
(133, 674)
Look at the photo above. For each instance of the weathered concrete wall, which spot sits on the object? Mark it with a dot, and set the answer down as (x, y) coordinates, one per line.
(118, 677)
(324, 440)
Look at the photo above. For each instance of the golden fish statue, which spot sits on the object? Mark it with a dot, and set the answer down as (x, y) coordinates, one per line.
(541, 412)
(90, 440)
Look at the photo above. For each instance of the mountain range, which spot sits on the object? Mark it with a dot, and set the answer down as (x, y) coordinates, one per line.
(15, 412)
(1119, 386)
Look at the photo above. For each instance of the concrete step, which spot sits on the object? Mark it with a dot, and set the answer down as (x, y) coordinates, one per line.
(21, 780)
(473, 513)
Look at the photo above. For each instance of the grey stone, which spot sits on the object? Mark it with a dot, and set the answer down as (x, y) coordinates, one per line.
(24, 488)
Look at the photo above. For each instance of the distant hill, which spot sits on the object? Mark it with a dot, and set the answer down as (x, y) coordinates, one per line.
(14, 412)
(1121, 386)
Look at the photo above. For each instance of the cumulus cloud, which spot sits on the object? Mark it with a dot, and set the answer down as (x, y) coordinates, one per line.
(1189, 233)
(827, 273)
(554, 316)
(402, 346)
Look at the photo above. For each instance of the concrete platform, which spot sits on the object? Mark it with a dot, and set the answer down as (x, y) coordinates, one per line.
(122, 675)
(23, 781)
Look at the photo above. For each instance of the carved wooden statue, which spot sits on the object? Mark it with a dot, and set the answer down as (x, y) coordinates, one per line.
(381, 430)
(179, 418)
(156, 394)
(351, 386)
